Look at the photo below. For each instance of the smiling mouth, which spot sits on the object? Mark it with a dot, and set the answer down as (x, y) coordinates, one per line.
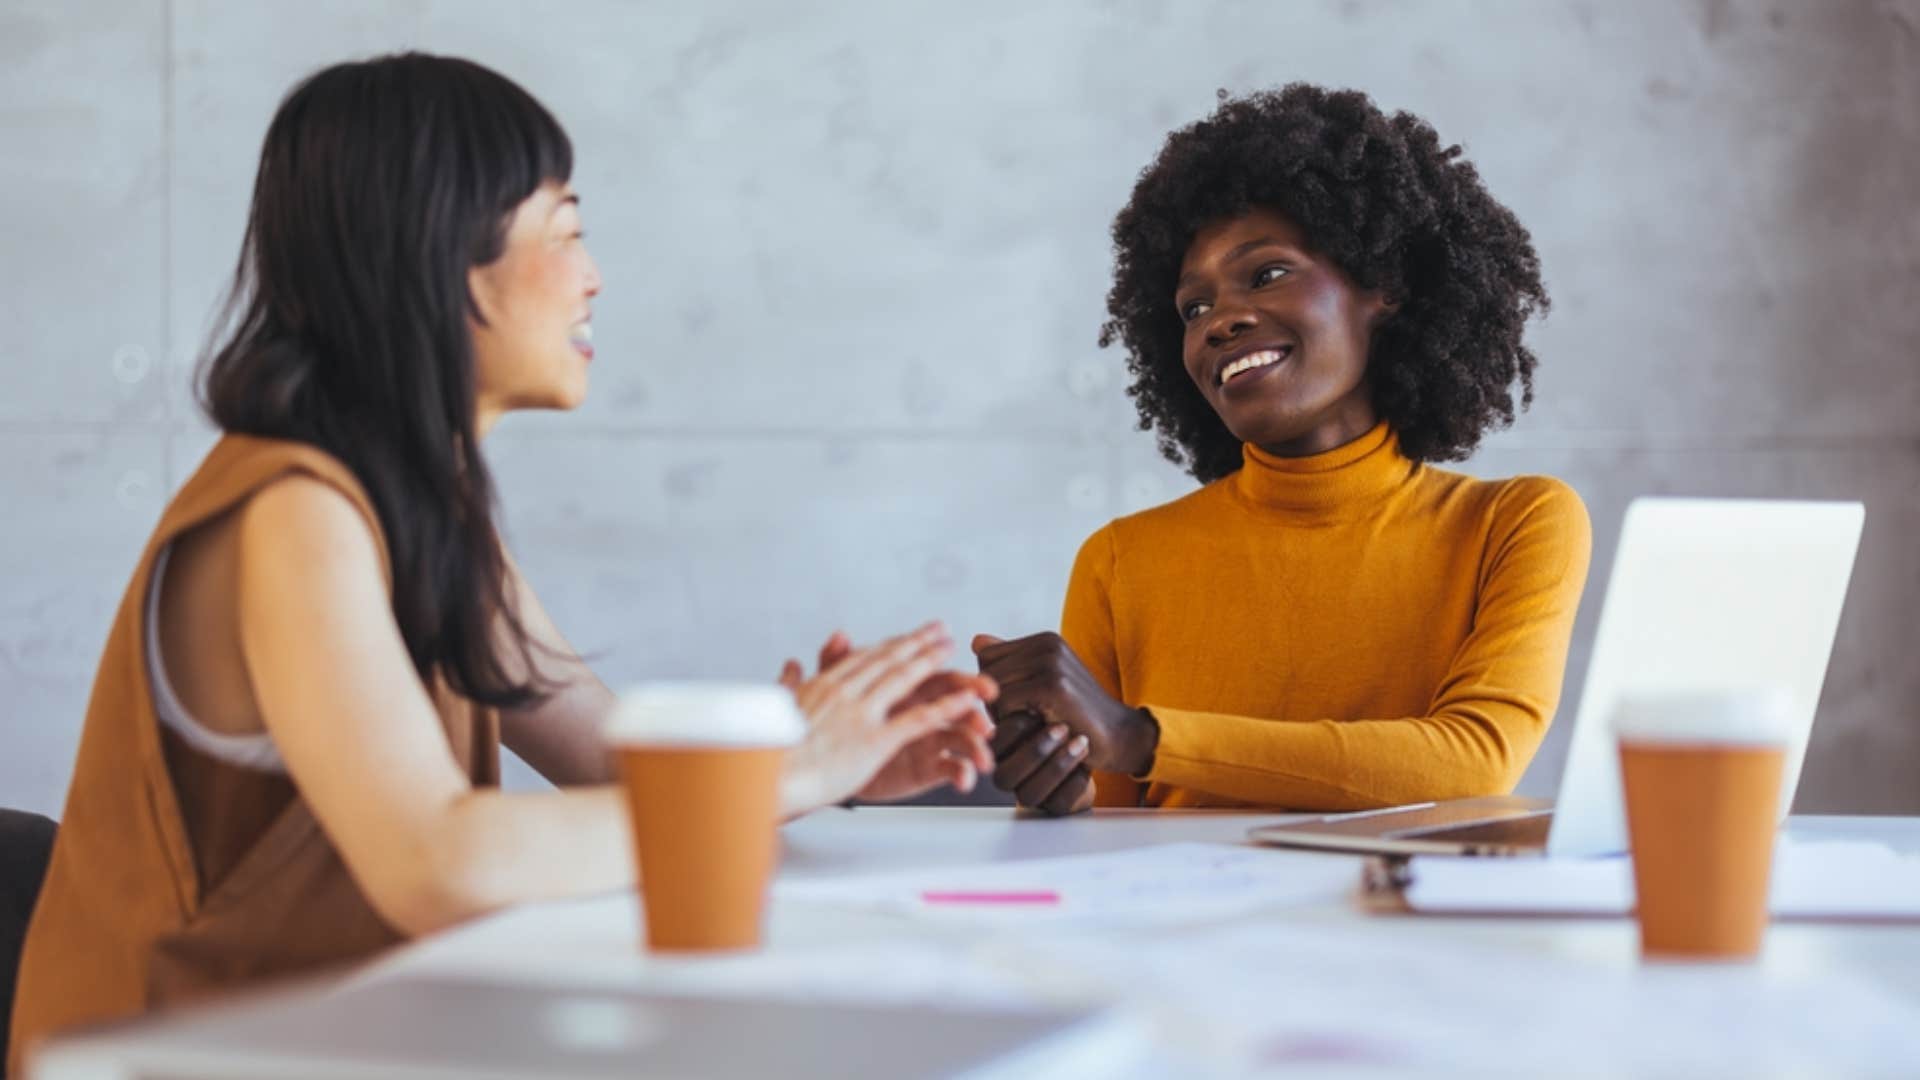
(582, 339)
(1253, 361)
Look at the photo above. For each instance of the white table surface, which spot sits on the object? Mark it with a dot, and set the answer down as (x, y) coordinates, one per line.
(1313, 979)
(1310, 983)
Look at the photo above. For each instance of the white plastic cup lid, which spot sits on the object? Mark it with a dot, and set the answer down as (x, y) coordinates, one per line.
(1745, 716)
(705, 714)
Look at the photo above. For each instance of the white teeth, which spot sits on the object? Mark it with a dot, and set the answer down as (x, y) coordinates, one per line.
(1251, 361)
(583, 333)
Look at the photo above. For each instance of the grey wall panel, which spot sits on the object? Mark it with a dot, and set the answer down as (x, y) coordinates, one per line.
(722, 557)
(856, 257)
(82, 213)
(85, 501)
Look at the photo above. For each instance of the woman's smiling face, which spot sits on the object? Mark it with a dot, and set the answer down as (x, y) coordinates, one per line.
(534, 339)
(1277, 336)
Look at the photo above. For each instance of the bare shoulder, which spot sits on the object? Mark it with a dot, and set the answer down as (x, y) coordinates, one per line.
(312, 597)
(301, 521)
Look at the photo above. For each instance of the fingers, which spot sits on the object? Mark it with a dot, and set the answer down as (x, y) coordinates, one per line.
(862, 669)
(991, 649)
(1034, 696)
(898, 683)
(923, 720)
(1038, 789)
(1010, 731)
(956, 744)
(1044, 659)
(1014, 768)
(848, 680)
(974, 722)
(942, 683)
(967, 740)
(959, 771)
(792, 675)
(837, 648)
(977, 728)
(987, 687)
(1057, 698)
(955, 756)
(1074, 794)
(962, 778)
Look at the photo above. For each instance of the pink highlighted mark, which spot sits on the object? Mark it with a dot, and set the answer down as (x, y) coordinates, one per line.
(1038, 896)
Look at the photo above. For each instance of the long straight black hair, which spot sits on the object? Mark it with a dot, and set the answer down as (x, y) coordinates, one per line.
(381, 184)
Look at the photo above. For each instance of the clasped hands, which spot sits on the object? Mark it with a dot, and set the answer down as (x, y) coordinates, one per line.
(1054, 724)
(909, 725)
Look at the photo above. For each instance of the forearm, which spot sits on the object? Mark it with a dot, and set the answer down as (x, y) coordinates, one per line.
(492, 849)
(560, 738)
(1345, 765)
(801, 793)
(560, 735)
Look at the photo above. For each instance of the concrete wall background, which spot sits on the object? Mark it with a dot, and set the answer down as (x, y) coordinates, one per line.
(856, 256)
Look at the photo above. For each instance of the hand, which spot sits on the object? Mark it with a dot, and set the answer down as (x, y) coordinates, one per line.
(1040, 677)
(958, 755)
(859, 718)
(1043, 765)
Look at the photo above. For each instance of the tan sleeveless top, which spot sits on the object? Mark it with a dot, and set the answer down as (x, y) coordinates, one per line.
(174, 875)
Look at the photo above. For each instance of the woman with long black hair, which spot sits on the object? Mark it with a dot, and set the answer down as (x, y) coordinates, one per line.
(290, 756)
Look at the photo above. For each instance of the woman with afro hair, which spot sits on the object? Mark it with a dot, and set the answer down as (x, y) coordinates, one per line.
(1318, 302)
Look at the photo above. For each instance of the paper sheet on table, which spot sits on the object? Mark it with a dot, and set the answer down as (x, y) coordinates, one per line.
(1394, 997)
(1811, 880)
(1168, 882)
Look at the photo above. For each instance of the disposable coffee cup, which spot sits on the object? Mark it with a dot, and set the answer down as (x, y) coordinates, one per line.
(1701, 771)
(701, 764)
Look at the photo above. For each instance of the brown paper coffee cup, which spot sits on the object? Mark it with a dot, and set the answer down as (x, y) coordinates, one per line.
(701, 765)
(1702, 775)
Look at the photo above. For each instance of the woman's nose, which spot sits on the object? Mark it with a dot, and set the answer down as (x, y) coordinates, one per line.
(1227, 323)
(593, 278)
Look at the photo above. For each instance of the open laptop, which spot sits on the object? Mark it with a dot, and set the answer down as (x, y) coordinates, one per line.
(1705, 593)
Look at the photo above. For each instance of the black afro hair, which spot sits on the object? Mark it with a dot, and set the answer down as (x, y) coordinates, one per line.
(1392, 207)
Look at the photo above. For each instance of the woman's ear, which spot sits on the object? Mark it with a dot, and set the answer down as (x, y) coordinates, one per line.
(480, 289)
(1384, 306)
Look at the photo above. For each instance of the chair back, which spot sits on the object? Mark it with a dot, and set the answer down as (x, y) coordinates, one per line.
(26, 845)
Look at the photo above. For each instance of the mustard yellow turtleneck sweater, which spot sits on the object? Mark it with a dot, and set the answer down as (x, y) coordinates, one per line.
(1336, 632)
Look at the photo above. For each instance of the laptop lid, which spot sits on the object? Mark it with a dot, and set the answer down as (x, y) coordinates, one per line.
(1706, 594)
(439, 1029)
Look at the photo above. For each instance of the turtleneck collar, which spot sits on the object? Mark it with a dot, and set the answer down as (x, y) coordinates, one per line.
(1341, 483)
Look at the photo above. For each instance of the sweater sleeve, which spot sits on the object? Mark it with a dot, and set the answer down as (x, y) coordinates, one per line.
(1487, 716)
(1087, 626)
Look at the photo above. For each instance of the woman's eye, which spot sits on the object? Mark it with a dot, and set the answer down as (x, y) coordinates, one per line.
(1193, 309)
(1267, 275)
